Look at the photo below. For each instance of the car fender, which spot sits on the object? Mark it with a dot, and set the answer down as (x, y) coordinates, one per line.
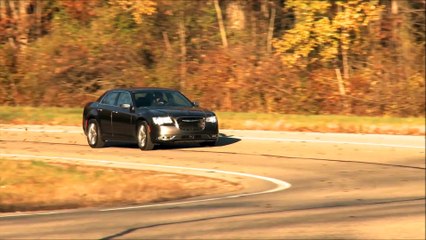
(90, 112)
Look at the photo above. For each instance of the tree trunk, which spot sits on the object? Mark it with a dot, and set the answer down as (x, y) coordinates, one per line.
(235, 15)
(3, 13)
(394, 7)
(344, 49)
(264, 8)
(345, 64)
(397, 44)
(18, 11)
(39, 17)
(271, 29)
(167, 44)
(253, 28)
(23, 25)
(342, 91)
(183, 50)
(221, 24)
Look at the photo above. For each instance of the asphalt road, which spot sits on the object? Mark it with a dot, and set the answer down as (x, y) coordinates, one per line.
(343, 186)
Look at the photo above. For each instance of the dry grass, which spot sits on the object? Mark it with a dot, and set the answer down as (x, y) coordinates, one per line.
(41, 115)
(322, 123)
(243, 121)
(38, 185)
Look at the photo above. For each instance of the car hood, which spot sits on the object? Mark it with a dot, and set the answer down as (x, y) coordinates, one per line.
(178, 111)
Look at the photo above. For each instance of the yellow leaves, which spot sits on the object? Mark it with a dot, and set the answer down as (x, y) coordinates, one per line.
(136, 7)
(356, 13)
(315, 5)
(329, 51)
(315, 32)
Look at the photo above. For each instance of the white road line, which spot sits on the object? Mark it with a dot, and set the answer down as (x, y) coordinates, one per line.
(39, 130)
(33, 214)
(328, 141)
(279, 184)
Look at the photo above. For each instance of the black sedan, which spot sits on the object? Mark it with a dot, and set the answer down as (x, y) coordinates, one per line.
(148, 116)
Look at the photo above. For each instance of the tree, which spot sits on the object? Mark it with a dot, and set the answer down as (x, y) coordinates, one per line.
(325, 31)
(221, 24)
(321, 34)
(288, 56)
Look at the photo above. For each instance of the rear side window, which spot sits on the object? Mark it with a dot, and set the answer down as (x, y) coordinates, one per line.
(110, 98)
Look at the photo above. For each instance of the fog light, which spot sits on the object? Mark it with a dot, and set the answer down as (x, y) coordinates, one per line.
(166, 138)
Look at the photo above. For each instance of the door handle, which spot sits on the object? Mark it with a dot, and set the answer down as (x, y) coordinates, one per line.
(100, 109)
(114, 111)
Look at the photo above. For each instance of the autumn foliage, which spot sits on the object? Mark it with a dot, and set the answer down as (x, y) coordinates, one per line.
(356, 57)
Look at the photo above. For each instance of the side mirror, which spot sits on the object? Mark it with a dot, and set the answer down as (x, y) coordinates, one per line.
(125, 105)
(196, 104)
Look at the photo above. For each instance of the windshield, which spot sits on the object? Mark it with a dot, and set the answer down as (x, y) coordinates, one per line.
(158, 98)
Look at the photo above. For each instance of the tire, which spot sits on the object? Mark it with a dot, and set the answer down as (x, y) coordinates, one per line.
(94, 136)
(143, 136)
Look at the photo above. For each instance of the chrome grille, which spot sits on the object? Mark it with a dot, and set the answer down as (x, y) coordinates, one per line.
(191, 123)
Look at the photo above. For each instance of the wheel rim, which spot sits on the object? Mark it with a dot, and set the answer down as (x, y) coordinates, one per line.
(142, 136)
(92, 134)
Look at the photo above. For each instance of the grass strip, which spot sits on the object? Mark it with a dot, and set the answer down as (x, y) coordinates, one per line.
(322, 123)
(243, 121)
(40, 185)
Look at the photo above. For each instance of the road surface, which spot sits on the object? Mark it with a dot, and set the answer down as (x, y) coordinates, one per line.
(296, 186)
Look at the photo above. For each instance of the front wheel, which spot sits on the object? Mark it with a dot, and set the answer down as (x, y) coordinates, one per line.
(94, 137)
(144, 137)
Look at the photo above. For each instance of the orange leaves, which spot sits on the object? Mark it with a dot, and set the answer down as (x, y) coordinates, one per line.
(84, 10)
(80, 10)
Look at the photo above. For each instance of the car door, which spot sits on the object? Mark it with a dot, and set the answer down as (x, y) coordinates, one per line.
(105, 109)
(123, 118)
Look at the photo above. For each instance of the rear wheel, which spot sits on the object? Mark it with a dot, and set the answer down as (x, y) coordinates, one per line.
(144, 137)
(94, 137)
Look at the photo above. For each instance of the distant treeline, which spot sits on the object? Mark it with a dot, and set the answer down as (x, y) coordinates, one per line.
(363, 57)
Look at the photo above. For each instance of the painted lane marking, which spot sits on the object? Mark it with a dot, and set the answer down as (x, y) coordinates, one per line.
(279, 184)
(328, 141)
(295, 140)
(40, 130)
(34, 214)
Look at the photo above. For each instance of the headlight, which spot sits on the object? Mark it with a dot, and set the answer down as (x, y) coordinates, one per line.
(211, 119)
(162, 120)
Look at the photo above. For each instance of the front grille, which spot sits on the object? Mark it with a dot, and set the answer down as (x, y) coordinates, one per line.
(188, 137)
(191, 123)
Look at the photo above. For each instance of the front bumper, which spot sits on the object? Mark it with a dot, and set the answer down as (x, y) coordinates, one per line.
(166, 133)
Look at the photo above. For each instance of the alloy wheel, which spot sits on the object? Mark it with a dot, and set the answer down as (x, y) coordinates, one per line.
(142, 136)
(92, 134)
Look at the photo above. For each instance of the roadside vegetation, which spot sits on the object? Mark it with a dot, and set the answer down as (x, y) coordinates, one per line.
(316, 57)
(39, 185)
(241, 121)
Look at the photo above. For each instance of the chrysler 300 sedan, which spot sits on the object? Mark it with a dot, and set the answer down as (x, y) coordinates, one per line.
(148, 117)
